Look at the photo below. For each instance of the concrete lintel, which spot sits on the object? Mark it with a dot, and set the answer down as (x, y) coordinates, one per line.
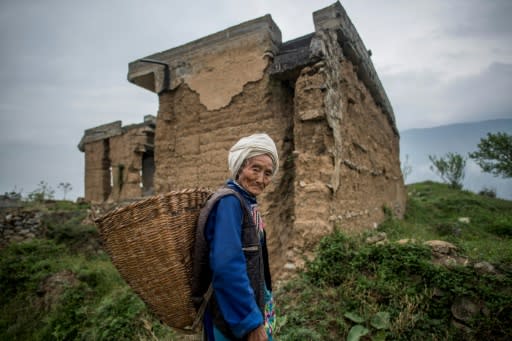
(144, 148)
(101, 132)
(108, 130)
(153, 76)
(149, 125)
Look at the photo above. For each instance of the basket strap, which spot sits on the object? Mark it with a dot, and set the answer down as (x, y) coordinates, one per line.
(202, 308)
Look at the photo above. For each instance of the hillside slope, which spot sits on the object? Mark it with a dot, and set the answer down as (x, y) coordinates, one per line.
(387, 284)
(443, 273)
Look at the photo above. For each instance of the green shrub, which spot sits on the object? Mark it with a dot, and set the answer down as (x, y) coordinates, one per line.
(65, 227)
(488, 192)
(450, 168)
(501, 226)
(24, 265)
(115, 317)
(41, 193)
(332, 259)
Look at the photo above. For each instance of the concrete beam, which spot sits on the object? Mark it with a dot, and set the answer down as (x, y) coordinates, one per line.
(179, 60)
(101, 132)
(115, 128)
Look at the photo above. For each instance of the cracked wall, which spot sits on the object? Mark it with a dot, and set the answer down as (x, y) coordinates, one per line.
(118, 161)
(223, 74)
(193, 144)
(317, 96)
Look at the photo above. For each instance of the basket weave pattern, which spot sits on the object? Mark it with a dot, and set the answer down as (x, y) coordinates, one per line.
(150, 243)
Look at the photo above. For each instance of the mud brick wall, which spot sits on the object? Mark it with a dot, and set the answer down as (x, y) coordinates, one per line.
(97, 174)
(114, 160)
(195, 143)
(126, 162)
(317, 96)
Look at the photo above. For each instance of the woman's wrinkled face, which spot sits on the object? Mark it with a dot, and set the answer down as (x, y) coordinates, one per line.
(256, 174)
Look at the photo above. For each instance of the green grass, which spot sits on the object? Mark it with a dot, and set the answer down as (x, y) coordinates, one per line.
(54, 289)
(433, 212)
(351, 288)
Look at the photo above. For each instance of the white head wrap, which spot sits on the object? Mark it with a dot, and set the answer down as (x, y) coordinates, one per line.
(250, 146)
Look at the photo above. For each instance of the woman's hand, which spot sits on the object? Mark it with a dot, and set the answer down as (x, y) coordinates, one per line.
(258, 334)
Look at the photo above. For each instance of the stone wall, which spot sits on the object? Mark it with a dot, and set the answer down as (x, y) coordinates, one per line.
(194, 142)
(17, 225)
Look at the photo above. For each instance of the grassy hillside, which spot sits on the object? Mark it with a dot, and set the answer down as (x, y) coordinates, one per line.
(65, 288)
(399, 289)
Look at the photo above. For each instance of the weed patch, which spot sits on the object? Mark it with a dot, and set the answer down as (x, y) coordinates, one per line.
(37, 303)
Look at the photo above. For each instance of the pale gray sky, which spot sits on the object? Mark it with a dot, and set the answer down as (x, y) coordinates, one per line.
(63, 65)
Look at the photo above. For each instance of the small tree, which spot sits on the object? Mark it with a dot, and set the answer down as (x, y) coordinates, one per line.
(488, 192)
(494, 154)
(14, 195)
(451, 168)
(406, 167)
(42, 192)
(65, 187)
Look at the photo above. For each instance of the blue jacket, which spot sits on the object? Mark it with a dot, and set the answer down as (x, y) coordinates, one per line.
(232, 288)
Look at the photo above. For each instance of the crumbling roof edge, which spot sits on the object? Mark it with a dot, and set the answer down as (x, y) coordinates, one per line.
(111, 129)
(150, 75)
(298, 53)
(335, 17)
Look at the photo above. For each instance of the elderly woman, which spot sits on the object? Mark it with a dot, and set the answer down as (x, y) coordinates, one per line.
(230, 252)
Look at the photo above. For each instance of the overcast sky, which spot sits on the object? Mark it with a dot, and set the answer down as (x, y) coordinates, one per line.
(63, 66)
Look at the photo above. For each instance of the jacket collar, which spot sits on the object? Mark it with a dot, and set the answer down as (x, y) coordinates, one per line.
(237, 187)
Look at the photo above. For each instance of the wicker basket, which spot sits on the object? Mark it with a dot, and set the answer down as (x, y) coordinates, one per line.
(150, 244)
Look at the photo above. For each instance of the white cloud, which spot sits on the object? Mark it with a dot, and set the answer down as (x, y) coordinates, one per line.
(428, 100)
(64, 63)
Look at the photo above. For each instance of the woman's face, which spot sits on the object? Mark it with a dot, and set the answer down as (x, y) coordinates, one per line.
(256, 174)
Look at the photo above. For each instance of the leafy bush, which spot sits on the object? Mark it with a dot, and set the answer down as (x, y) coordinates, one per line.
(65, 187)
(14, 195)
(65, 228)
(501, 226)
(24, 265)
(451, 168)
(488, 192)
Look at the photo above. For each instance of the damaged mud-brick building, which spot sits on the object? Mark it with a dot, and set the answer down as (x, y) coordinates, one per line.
(119, 161)
(318, 97)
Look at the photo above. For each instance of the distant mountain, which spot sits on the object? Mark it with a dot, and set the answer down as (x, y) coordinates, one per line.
(417, 144)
